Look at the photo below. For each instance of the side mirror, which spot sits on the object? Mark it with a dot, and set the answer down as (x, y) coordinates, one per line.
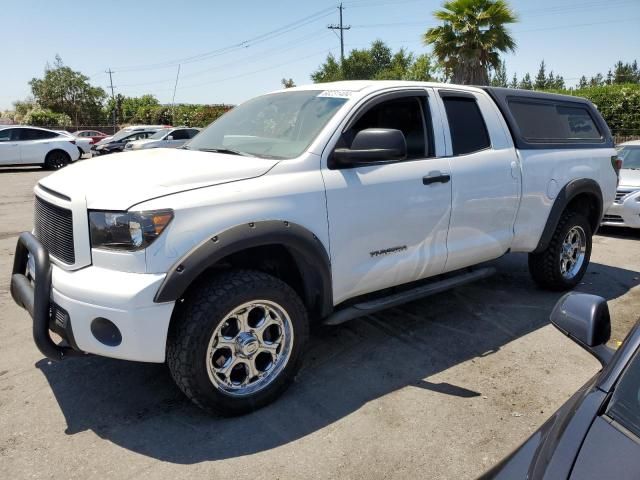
(170, 137)
(585, 319)
(371, 146)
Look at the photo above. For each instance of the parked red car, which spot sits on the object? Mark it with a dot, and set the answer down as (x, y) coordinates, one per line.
(94, 135)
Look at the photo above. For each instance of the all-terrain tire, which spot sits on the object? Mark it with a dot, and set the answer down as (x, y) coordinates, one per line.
(197, 320)
(545, 267)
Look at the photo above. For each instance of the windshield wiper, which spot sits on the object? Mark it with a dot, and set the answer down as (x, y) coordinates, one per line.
(228, 151)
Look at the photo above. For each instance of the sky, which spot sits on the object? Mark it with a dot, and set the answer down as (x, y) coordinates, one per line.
(231, 51)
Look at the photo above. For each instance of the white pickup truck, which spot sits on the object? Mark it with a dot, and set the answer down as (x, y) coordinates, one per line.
(316, 203)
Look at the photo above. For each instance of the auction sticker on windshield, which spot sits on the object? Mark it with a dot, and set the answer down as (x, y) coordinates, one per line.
(336, 93)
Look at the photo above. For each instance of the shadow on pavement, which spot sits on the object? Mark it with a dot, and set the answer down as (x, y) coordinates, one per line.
(137, 406)
(20, 169)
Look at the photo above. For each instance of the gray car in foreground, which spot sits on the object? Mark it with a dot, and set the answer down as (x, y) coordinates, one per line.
(596, 433)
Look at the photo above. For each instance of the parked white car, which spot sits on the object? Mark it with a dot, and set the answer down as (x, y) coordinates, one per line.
(320, 203)
(625, 211)
(165, 138)
(23, 145)
(83, 144)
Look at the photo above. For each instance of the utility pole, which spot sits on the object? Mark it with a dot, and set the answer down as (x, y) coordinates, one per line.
(113, 98)
(173, 100)
(342, 28)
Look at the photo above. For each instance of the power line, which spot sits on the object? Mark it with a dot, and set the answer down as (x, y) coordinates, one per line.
(342, 28)
(230, 48)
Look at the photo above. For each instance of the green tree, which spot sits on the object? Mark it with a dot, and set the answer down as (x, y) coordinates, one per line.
(377, 62)
(63, 90)
(43, 117)
(471, 38)
(541, 77)
(583, 82)
(288, 83)
(526, 83)
(329, 71)
(422, 69)
(514, 81)
(499, 78)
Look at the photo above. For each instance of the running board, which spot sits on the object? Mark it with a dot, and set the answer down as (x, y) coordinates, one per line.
(367, 308)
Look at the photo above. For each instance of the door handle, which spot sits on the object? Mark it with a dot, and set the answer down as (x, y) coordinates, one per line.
(438, 178)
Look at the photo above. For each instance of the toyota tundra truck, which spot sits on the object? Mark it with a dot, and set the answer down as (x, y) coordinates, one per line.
(319, 203)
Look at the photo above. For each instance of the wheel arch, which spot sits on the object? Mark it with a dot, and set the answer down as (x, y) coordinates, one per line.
(58, 150)
(272, 240)
(582, 195)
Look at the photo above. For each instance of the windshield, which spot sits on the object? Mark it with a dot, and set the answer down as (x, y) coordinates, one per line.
(122, 134)
(278, 125)
(159, 135)
(630, 157)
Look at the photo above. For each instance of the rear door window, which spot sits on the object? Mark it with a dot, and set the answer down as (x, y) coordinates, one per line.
(34, 134)
(542, 122)
(468, 130)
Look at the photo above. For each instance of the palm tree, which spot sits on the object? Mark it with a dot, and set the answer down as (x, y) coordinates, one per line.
(471, 38)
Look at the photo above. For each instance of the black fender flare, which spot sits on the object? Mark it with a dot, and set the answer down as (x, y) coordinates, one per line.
(307, 250)
(566, 194)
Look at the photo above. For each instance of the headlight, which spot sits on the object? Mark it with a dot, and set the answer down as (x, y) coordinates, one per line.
(127, 230)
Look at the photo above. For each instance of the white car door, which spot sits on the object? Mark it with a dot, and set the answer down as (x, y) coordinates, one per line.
(388, 221)
(485, 178)
(9, 147)
(35, 144)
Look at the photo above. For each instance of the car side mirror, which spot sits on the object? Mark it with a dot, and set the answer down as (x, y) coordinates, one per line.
(170, 137)
(585, 319)
(372, 146)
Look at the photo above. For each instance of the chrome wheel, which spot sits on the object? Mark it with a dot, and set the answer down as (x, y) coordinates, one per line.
(572, 253)
(249, 348)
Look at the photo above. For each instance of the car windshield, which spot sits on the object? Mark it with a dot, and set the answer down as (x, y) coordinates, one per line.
(278, 125)
(159, 135)
(123, 134)
(630, 157)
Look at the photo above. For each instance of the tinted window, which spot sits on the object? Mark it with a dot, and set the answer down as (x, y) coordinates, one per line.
(180, 135)
(467, 127)
(625, 402)
(5, 134)
(33, 134)
(192, 132)
(546, 121)
(404, 114)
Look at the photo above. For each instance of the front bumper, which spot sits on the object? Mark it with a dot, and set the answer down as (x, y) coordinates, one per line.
(74, 303)
(624, 214)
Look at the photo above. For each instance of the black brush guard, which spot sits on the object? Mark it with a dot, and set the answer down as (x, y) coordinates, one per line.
(35, 297)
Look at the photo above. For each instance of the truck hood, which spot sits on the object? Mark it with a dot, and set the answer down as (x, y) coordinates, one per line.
(121, 180)
(629, 178)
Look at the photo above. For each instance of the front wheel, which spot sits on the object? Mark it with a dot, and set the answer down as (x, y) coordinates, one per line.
(564, 262)
(237, 341)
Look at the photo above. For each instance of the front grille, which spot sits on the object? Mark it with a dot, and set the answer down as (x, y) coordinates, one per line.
(620, 194)
(613, 219)
(53, 226)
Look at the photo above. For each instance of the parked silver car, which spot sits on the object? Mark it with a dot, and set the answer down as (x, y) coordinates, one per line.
(165, 138)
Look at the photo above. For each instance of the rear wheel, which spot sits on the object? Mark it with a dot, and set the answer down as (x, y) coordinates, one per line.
(56, 159)
(564, 262)
(237, 341)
